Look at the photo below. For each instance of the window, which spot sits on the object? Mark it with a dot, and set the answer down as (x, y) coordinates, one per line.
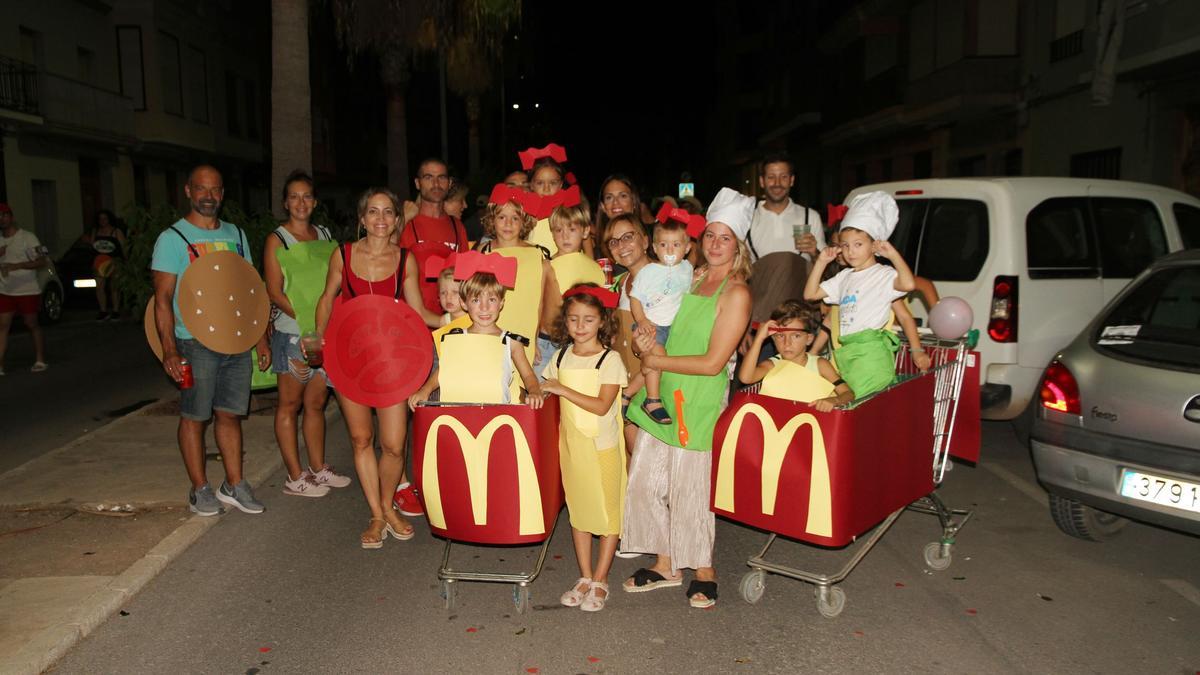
(197, 83)
(1130, 235)
(1188, 220)
(1057, 240)
(172, 74)
(140, 195)
(31, 47)
(975, 165)
(130, 70)
(251, 111)
(1166, 308)
(908, 229)
(86, 59)
(233, 112)
(1069, 17)
(1097, 164)
(954, 241)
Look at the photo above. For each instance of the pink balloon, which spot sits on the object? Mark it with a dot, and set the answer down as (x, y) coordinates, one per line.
(951, 318)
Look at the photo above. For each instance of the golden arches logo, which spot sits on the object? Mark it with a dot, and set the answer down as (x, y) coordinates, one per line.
(475, 452)
(775, 447)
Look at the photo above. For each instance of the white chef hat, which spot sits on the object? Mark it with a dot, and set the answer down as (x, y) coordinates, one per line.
(734, 209)
(875, 213)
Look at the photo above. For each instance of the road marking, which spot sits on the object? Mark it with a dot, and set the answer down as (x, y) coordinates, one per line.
(1183, 588)
(1023, 486)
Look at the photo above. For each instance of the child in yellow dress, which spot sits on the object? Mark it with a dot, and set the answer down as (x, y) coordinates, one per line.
(589, 376)
(794, 374)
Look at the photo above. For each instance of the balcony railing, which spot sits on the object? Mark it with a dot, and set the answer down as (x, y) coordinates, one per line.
(18, 86)
(82, 106)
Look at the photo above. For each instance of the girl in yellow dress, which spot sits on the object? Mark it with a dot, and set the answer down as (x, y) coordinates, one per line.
(794, 374)
(589, 376)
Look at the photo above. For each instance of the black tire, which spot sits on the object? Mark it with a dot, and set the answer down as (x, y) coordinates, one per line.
(52, 303)
(1082, 521)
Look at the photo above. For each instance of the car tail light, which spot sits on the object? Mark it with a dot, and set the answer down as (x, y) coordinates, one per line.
(902, 193)
(1002, 323)
(1059, 390)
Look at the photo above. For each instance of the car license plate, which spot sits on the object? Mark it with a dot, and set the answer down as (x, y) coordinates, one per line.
(1158, 490)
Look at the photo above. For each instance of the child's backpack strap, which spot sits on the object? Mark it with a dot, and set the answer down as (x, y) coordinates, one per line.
(513, 336)
(561, 353)
(452, 331)
(602, 357)
(545, 251)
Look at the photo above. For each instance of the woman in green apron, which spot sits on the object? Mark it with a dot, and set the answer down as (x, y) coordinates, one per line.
(295, 262)
(666, 508)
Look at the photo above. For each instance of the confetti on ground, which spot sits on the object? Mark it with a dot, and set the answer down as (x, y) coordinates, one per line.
(472, 630)
(1045, 597)
(972, 612)
(531, 670)
(742, 660)
(264, 650)
(558, 557)
(593, 659)
(899, 585)
(521, 632)
(858, 633)
(959, 578)
(124, 613)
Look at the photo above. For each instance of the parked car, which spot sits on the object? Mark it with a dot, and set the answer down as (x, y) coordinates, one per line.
(78, 277)
(1036, 258)
(1117, 430)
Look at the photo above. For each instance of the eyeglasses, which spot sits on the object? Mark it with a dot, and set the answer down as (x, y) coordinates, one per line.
(624, 240)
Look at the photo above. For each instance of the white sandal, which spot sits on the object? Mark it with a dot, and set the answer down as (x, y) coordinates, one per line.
(593, 602)
(574, 597)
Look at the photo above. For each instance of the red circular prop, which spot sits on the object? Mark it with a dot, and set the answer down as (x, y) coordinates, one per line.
(378, 351)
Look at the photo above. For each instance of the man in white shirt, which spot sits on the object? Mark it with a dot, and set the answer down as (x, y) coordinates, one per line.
(779, 223)
(21, 256)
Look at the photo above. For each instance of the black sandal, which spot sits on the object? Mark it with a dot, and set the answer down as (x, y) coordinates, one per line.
(649, 580)
(626, 399)
(659, 414)
(707, 588)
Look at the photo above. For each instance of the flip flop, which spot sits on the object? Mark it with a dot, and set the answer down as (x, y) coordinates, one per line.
(707, 588)
(649, 580)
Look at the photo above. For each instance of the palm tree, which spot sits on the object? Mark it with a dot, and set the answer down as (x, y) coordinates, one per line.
(291, 112)
(395, 30)
(469, 74)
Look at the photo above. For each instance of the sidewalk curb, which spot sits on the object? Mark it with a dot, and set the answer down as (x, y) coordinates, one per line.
(48, 647)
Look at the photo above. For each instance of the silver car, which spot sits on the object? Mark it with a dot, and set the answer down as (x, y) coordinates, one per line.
(1117, 429)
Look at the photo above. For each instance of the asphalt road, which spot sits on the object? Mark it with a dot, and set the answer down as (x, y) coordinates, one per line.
(97, 373)
(291, 591)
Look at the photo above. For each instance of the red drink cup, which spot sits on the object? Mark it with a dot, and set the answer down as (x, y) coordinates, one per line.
(186, 380)
(312, 345)
(607, 266)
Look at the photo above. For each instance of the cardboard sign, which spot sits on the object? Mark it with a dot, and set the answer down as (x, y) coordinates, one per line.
(223, 302)
(377, 350)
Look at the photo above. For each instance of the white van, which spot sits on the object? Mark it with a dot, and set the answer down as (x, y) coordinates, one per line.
(1036, 258)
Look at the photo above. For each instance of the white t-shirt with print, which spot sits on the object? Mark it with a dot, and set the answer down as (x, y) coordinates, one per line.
(864, 298)
(22, 247)
(660, 289)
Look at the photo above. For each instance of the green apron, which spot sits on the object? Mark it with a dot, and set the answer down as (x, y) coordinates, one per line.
(305, 265)
(701, 395)
(867, 360)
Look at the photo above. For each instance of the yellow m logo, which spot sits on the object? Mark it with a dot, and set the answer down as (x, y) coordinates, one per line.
(775, 447)
(475, 450)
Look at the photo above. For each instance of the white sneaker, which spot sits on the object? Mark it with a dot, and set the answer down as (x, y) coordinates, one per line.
(327, 476)
(39, 367)
(304, 486)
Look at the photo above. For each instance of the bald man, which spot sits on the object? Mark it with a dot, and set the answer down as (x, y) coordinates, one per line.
(222, 381)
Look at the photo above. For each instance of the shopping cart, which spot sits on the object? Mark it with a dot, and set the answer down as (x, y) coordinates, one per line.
(489, 474)
(831, 478)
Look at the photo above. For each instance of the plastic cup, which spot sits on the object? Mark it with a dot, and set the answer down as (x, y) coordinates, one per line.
(312, 345)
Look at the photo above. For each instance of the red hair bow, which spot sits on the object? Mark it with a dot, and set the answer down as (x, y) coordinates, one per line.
(472, 262)
(606, 297)
(547, 204)
(695, 223)
(835, 214)
(436, 264)
(502, 194)
(554, 151)
(570, 178)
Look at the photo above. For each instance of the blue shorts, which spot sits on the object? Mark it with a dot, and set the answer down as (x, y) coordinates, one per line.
(661, 333)
(222, 382)
(547, 349)
(285, 348)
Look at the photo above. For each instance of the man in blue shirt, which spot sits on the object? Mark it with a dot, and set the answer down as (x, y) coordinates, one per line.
(221, 381)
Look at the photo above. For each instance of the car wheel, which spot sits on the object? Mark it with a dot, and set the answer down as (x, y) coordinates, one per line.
(52, 303)
(1082, 521)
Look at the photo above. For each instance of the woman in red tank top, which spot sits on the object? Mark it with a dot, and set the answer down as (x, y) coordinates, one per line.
(374, 265)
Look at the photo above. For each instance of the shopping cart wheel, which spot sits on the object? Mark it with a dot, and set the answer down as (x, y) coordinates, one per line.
(831, 600)
(937, 555)
(753, 585)
(521, 598)
(448, 590)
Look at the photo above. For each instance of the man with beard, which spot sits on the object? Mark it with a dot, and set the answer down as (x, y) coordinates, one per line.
(221, 386)
(432, 232)
(784, 239)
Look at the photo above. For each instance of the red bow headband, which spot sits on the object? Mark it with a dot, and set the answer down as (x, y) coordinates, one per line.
(502, 194)
(835, 214)
(554, 151)
(435, 265)
(695, 223)
(546, 205)
(472, 262)
(606, 297)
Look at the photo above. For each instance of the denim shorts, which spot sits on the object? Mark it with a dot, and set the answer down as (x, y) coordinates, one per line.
(661, 333)
(547, 349)
(285, 348)
(222, 382)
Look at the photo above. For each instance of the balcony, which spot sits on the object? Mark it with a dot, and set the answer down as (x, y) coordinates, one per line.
(18, 86)
(80, 108)
(969, 77)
